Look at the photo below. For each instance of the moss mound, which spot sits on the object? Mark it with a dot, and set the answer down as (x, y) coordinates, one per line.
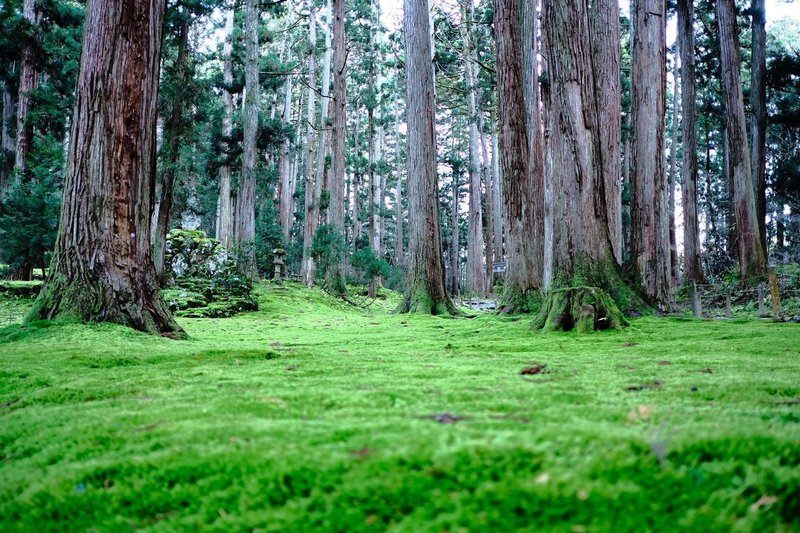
(585, 309)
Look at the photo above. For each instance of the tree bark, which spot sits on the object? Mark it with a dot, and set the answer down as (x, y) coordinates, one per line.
(582, 237)
(311, 203)
(752, 259)
(425, 292)
(523, 274)
(399, 250)
(28, 81)
(102, 269)
(246, 196)
(758, 129)
(285, 192)
(675, 274)
(476, 274)
(173, 134)
(225, 212)
(650, 242)
(7, 147)
(334, 277)
(692, 264)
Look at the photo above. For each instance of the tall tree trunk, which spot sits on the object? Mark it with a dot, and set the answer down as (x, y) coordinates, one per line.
(650, 242)
(28, 81)
(173, 134)
(692, 264)
(425, 292)
(311, 203)
(497, 209)
(758, 129)
(246, 196)
(523, 273)
(455, 235)
(334, 277)
(225, 217)
(582, 236)
(285, 191)
(399, 251)
(488, 185)
(675, 274)
(476, 274)
(752, 259)
(102, 269)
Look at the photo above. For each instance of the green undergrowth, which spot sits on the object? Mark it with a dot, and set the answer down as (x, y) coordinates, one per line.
(314, 415)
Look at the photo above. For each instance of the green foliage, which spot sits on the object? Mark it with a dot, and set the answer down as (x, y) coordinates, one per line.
(281, 419)
(328, 248)
(29, 221)
(370, 264)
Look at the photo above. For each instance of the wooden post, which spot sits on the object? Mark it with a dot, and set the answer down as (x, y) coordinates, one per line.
(776, 295)
(761, 310)
(728, 312)
(697, 306)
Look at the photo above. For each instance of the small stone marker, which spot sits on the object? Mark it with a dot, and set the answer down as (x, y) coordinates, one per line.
(278, 264)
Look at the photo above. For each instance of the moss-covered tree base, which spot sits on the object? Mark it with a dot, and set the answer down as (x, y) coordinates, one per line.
(585, 309)
(421, 301)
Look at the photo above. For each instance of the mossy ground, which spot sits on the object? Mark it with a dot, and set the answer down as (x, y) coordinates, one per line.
(313, 415)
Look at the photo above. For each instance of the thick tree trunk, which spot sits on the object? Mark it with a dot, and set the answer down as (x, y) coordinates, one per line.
(225, 221)
(752, 259)
(246, 196)
(758, 129)
(692, 264)
(425, 292)
(173, 133)
(102, 269)
(311, 203)
(476, 274)
(28, 81)
(334, 277)
(523, 272)
(583, 252)
(650, 242)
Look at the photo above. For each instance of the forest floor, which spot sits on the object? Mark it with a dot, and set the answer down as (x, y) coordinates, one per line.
(313, 415)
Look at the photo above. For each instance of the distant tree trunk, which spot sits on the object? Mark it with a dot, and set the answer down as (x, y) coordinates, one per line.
(752, 259)
(693, 267)
(173, 134)
(582, 234)
(497, 207)
(225, 221)
(758, 130)
(246, 197)
(334, 277)
(675, 274)
(28, 81)
(322, 146)
(476, 274)
(102, 269)
(311, 204)
(650, 253)
(523, 272)
(285, 192)
(399, 251)
(7, 148)
(356, 179)
(488, 185)
(425, 292)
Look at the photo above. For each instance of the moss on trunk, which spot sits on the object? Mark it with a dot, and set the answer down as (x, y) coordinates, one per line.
(585, 309)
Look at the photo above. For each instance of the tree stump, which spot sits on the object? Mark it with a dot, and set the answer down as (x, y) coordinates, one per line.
(585, 309)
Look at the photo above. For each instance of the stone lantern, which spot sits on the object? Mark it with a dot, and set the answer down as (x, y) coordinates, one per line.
(278, 264)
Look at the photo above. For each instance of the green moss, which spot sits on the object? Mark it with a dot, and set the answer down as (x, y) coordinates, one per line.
(312, 414)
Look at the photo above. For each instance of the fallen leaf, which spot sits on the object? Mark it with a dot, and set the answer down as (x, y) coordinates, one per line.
(763, 501)
(664, 362)
(534, 369)
(543, 478)
(583, 495)
(641, 412)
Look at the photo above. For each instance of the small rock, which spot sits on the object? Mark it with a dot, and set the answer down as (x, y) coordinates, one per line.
(694, 389)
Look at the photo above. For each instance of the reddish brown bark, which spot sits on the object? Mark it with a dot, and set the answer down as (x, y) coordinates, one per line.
(102, 269)
(28, 81)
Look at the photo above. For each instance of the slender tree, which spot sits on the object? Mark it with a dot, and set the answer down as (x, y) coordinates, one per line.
(334, 277)
(758, 103)
(650, 243)
(102, 269)
(311, 207)
(225, 208)
(693, 268)
(752, 259)
(425, 292)
(28, 80)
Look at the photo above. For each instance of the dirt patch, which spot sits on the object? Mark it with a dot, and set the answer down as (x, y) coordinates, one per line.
(645, 386)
